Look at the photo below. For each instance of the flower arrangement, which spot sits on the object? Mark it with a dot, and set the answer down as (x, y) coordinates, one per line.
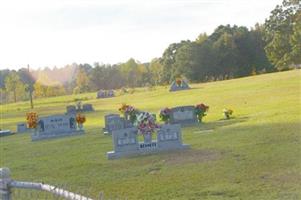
(200, 111)
(32, 119)
(146, 123)
(165, 115)
(179, 82)
(80, 119)
(227, 113)
(129, 112)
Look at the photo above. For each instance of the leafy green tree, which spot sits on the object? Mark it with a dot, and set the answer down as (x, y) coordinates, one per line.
(280, 34)
(168, 60)
(82, 81)
(295, 41)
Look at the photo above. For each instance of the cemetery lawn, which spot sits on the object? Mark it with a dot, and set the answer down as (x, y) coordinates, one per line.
(254, 155)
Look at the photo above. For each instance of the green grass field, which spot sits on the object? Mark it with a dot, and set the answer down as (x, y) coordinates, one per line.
(255, 155)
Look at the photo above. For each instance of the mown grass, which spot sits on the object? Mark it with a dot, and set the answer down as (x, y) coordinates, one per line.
(255, 155)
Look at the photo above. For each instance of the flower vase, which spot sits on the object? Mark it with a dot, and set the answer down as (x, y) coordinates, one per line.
(200, 118)
(227, 116)
(147, 138)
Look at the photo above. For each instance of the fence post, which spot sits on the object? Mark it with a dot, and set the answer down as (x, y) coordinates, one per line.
(5, 192)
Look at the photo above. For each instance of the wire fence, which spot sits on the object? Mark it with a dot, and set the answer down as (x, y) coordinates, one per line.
(14, 190)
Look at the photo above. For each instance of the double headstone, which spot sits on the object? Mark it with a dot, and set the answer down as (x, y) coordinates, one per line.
(84, 108)
(56, 126)
(105, 93)
(184, 115)
(126, 143)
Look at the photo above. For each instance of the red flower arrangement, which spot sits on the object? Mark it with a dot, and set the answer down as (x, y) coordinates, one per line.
(146, 123)
(200, 111)
(179, 82)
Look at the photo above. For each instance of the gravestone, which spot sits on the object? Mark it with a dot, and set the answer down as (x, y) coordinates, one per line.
(5, 133)
(88, 108)
(111, 93)
(175, 87)
(71, 109)
(115, 122)
(125, 142)
(21, 127)
(105, 94)
(184, 115)
(56, 126)
(100, 94)
(170, 137)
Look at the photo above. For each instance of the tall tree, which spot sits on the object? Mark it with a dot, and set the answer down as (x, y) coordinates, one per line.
(14, 85)
(280, 30)
(82, 81)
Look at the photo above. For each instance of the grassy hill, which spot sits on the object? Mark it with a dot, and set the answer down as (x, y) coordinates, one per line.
(255, 155)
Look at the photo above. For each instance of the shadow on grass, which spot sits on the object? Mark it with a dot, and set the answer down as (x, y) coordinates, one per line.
(220, 123)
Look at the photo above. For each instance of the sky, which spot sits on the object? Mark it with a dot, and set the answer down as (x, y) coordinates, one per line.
(48, 33)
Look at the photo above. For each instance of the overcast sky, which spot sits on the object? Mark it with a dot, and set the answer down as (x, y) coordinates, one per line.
(58, 32)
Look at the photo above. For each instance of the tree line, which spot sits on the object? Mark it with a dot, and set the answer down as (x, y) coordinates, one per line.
(229, 52)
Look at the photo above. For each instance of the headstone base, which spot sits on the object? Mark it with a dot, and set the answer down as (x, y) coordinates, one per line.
(145, 149)
(36, 137)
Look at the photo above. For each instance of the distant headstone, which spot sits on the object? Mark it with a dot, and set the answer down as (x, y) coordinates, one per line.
(87, 108)
(5, 133)
(126, 143)
(105, 94)
(71, 109)
(56, 126)
(21, 127)
(100, 94)
(183, 115)
(111, 93)
(175, 87)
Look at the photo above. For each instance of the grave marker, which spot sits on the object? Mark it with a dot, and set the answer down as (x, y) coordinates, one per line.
(126, 143)
(175, 87)
(115, 122)
(56, 126)
(183, 115)
(87, 108)
(71, 109)
(22, 127)
(105, 94)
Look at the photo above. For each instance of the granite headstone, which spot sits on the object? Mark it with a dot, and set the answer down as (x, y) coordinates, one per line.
(184, 115)
(125, 142)
(56, 126)
(175, 87)
(21, 127)
(87, 108)
(71, 109)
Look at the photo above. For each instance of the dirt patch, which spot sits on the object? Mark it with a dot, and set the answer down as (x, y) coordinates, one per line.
(191, 156)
